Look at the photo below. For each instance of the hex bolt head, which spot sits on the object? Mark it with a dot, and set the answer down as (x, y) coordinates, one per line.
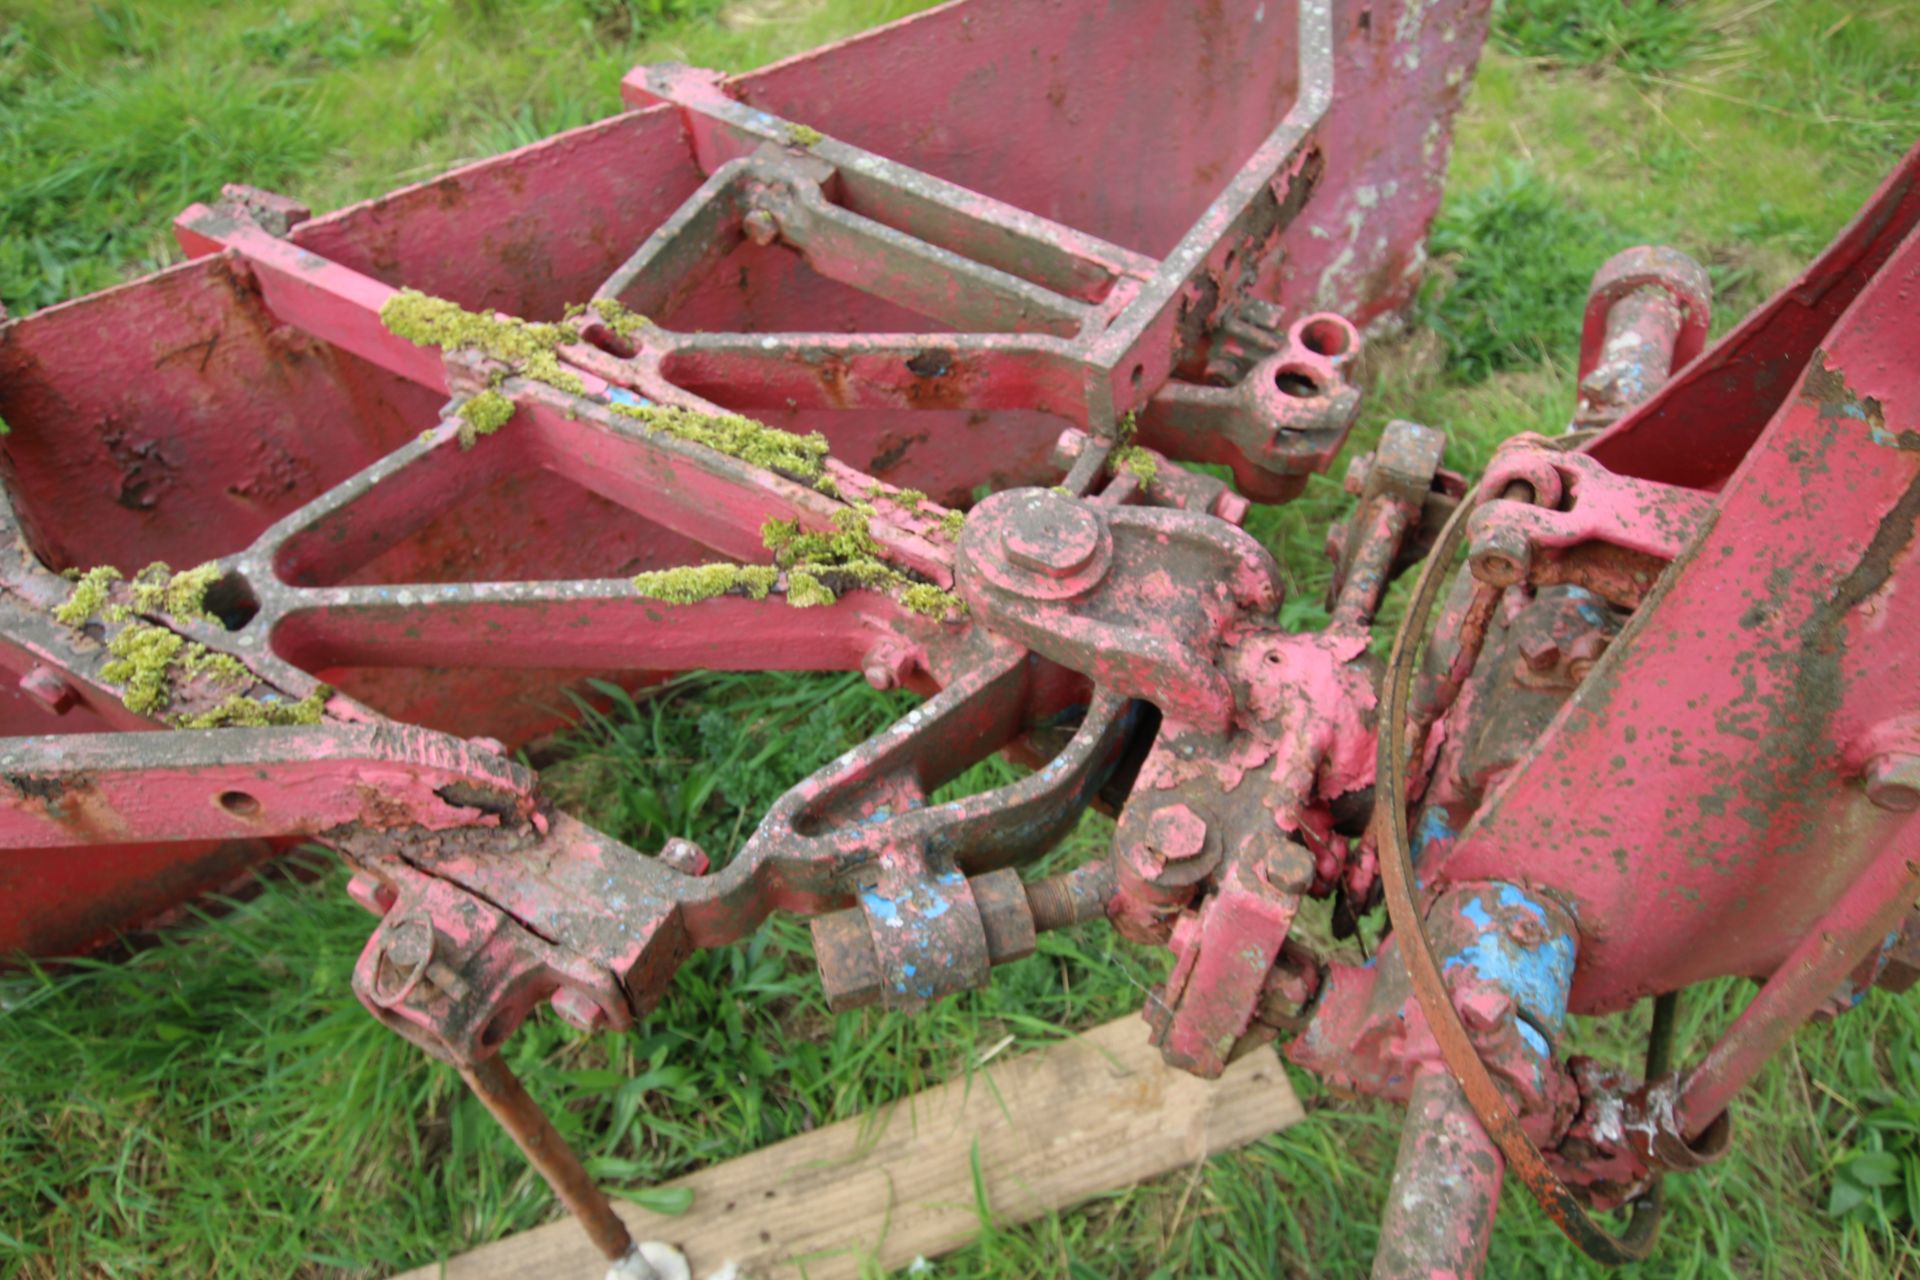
(760, 227)
(1539, 650)
(1893, 782)
(50, 689)
(1586, 650)
(1176, 832)
(1500, 555)
(686, 857)
(578, 1009)
(1231, 507)
(1051, 534)
(1483, 1010)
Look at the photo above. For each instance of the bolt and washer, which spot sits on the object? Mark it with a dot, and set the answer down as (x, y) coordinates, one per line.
(1052, 535)
(686, 857)
(1176, 832)
(1893, 782)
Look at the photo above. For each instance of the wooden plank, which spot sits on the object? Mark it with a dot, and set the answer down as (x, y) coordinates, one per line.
(1084, 1116)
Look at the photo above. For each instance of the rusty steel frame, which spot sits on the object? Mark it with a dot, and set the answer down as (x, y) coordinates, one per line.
(1740, 519)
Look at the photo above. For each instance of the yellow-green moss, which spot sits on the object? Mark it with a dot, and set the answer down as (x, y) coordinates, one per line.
(143, 657)
(803, 135)
(804, 591)
(952, 523)
(187, 591)
(850, 541)
(929, 600)
(1124, 429)
(524, 346)
(624, 323)
(238, 711)
(818, 567)
(5, 430)
(158, 589)
(147, 658)
(482, 415)
(797, 457)
(704, 581)
(910, 498)
(1138, 462)
(88, 597)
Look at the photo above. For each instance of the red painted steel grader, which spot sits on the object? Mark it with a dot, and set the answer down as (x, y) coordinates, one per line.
(718, 383)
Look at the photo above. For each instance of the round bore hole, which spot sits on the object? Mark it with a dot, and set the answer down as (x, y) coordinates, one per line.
(1326, 336)
(1296, 382)
(230, 598)
(239, 803)
(1137, 376)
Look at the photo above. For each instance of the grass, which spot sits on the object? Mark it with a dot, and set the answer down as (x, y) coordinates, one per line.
(217, 1104)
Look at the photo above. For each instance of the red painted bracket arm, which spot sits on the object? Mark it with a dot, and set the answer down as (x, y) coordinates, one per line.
(89, 789)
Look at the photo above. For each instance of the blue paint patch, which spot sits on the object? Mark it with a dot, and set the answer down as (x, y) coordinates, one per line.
(882, 908)
(1535, 1041)
(1537, 977)
(620, 395)
(1433, 826)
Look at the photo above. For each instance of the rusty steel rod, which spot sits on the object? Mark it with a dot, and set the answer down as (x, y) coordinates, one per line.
(1071, 897)
(494, 1083)
(1870, 909)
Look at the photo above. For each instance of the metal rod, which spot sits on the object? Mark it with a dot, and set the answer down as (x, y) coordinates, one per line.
(1446, 1187)
(495, 1085)
(1071, 897)
(1870, 909)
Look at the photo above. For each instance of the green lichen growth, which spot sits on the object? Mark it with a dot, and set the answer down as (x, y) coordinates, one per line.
(482, 415)
(221, 668)
(804, 591)
(849, 542)
(619, 319)
(158, 589)
(952, 523)
(705, 581)
(929, 600)
(794, 456)
(146, 660)
(526, 347)
(1137, 462)
(238, 711)
(910, 498)
(1123, 430)
(803, 135)
(819, 566)
(89, 596)
(143, 657)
